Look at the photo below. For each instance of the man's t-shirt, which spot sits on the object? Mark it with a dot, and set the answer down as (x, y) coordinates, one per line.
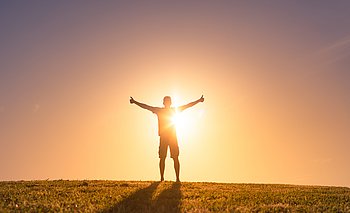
(166, 127)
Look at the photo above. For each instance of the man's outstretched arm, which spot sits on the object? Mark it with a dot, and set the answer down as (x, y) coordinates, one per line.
(142, 105)
(181, 108)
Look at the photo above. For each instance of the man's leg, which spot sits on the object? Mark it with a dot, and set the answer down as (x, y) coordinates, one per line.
(161, 168)
(163, 148)
(174, 151)
(177, 168)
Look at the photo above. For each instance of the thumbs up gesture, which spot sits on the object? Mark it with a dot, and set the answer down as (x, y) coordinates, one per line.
(201, 99)
(132, 100)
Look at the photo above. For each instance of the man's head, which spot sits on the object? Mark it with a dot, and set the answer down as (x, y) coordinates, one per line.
(167, 101)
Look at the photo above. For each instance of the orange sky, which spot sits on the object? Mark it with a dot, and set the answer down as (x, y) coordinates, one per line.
(274, 77)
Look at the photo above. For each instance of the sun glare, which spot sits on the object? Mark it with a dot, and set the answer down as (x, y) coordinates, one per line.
(183, 123)
(178, 120)
(186, 124)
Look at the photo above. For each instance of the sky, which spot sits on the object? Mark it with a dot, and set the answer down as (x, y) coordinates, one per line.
(274, 74)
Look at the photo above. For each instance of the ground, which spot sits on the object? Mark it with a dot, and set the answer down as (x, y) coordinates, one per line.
(146, 196)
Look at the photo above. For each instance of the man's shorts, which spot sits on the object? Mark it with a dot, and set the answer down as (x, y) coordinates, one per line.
(170, 141)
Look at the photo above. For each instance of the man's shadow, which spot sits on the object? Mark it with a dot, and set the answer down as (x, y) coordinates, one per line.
(169, 200)
(141, 201)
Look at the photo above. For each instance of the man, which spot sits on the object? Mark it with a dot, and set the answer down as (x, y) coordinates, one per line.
(167, 131)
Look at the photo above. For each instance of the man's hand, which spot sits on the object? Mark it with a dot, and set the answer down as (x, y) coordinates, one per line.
(201, 99)
(132, 101)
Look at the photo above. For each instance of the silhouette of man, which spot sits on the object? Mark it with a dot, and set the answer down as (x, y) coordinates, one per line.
(167, 131)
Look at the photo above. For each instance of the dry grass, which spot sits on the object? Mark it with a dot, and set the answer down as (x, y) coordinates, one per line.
(139, 196)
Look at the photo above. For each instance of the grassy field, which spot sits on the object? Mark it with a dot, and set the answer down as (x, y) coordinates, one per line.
(140, 196)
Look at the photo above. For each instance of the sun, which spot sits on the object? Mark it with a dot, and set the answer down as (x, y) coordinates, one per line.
(186, 124)
(183, 123)
(178, 120)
